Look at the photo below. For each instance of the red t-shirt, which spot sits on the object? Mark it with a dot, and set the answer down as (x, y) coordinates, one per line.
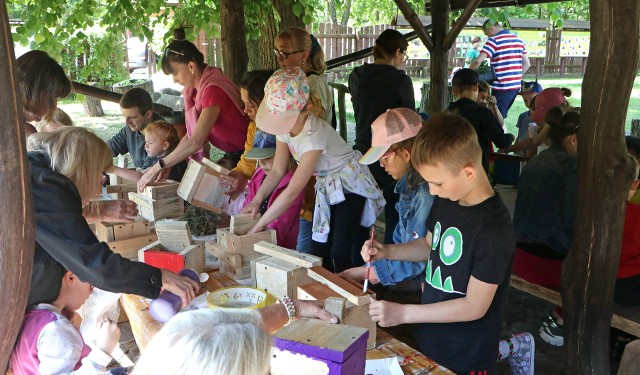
(230, 130)
(630, 252)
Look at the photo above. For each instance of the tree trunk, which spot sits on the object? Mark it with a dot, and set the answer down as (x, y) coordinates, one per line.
(439, 56)
(347, 12)
(331, 7)
(234, 45)
(92, 107)
(261, 54)
(604, 176)
(16, 221)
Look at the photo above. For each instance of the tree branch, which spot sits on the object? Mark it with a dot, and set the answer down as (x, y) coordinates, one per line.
(471, 7)
(415, 22)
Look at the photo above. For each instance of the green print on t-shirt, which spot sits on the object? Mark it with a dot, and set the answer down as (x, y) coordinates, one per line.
(450, 245)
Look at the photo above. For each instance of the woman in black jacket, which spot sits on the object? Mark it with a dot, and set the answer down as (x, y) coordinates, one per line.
(66, 169)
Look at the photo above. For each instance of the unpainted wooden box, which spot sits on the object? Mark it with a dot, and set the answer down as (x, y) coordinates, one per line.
(129, 248)
(159, 200)
(109, 232)
(279, 277)
(175, 236)
(320, 348)
(243, 244)
(201, 186)
(345, 311)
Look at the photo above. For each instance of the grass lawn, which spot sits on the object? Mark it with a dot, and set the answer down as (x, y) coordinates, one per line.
(109, 124)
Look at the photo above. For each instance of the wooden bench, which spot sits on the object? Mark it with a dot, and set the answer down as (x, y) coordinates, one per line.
(624, 318)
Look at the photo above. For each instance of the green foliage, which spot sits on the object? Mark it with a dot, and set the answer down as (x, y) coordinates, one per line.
(556, 13)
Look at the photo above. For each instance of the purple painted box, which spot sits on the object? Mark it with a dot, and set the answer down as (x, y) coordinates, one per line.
(310, 346)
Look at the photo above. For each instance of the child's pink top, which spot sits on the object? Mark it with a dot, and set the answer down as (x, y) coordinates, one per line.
(287, 225)
(49, 344)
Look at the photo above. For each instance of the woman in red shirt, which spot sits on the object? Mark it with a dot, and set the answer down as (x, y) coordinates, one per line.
(213, 108)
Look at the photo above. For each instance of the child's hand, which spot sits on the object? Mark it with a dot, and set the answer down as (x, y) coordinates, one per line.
(387, 314)
(107, 335)
(235, 181)
(257, 229)
(252, 208)
(373, 250)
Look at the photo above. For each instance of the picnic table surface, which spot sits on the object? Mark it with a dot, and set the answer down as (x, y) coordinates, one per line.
(144, 327)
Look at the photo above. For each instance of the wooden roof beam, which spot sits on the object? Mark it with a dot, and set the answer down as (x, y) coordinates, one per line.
(411, 16)
(471, 7)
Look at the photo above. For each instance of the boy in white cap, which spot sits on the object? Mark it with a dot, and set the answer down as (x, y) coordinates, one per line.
(347, 197)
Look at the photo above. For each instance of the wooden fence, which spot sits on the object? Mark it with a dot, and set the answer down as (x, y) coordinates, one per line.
(337, 40)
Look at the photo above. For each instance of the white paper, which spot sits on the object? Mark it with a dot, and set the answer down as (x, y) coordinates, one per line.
(385, 366)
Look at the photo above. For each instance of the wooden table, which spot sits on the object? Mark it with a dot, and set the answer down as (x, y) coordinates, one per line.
(144, 327)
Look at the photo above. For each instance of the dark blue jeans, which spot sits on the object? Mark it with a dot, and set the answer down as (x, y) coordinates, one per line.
(346, 236)
(505, 99)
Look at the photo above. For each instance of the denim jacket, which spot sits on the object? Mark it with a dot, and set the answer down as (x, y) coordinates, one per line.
(546, 202)
(413, 208)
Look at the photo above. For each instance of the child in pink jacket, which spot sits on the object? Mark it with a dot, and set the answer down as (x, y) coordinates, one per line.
(286, 226)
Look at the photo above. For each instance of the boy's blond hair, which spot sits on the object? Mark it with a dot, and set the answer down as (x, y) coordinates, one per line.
(76, 153)
(165, 131)
(448, 139)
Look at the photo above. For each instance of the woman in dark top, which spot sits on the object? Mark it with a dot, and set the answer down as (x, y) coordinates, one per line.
(375, 88)
(66, 169)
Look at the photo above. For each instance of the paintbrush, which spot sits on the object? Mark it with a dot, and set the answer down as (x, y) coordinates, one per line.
(368, 269)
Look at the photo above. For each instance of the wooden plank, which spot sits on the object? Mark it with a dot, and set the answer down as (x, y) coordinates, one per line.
(242, 223)
(235, 273)
(624, 318)
(104, 232)
(315, 291)
(215, 166)
(129, 248)
(291, 256)
(161, 190)
(121, 188)
(194, 258)
(190, 180)
(174, 235)
(232, 259)
(339, 285)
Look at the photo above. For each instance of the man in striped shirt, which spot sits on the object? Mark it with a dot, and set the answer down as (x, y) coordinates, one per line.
(508, 57)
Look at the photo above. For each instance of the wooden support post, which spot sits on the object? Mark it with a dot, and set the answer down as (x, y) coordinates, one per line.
(604, 175)
(17, 239)
(413, 19)
(439, 56)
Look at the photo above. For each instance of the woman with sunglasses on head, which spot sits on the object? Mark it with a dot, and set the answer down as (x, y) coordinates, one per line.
(374, 89)
(213, 108)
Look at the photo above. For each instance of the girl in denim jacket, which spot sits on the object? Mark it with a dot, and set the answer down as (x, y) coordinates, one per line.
(393, 134)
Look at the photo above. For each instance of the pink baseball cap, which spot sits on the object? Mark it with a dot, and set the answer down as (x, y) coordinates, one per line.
(393, 126)
(285, 95)
(545, 100)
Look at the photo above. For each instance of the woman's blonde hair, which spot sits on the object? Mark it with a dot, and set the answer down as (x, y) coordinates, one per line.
(297, 38)
(76, 153)
(209, 341)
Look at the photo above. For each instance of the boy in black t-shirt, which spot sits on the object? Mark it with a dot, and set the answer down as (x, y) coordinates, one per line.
(469, 248)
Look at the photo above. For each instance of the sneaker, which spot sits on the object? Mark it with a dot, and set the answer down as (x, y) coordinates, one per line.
(521, 362)
(551, 332)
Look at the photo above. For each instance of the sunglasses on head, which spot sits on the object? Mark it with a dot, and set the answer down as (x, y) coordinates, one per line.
(285, 55)
(168, 50)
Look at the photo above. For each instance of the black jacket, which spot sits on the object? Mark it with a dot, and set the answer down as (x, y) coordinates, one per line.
(375, 88)
(65, 241)
(485, 124)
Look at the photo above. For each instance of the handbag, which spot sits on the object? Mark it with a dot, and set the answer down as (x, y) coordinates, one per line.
(487, 74)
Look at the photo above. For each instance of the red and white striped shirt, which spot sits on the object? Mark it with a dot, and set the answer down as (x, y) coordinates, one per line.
(505, 52)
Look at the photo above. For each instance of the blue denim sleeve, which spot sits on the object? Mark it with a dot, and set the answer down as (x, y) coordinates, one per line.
(412, 225)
